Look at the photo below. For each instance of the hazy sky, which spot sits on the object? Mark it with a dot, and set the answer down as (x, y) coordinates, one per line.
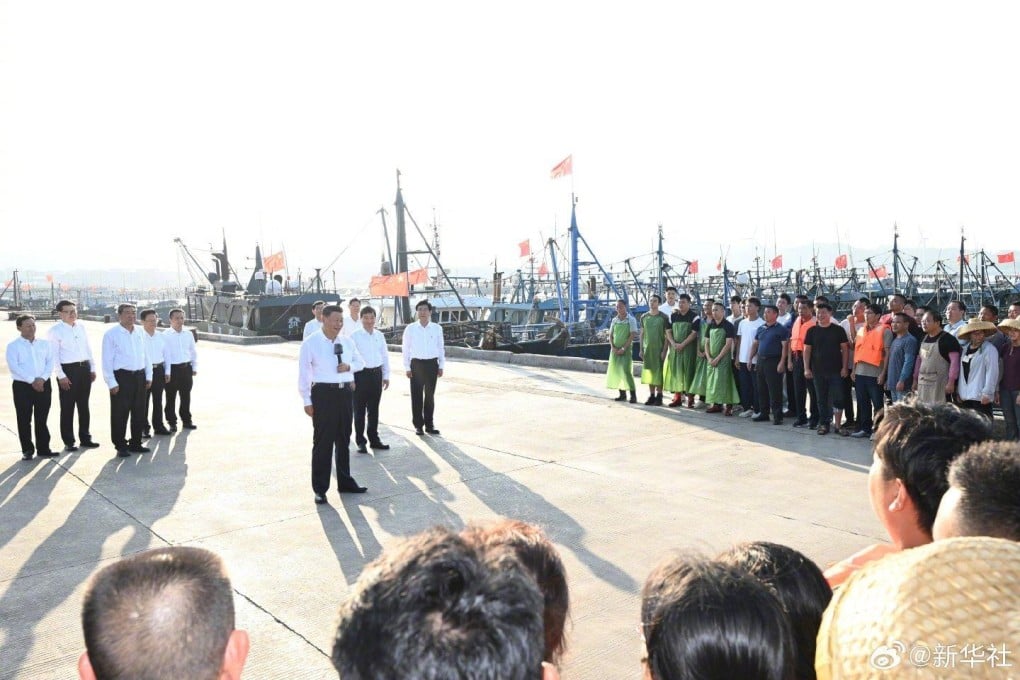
(125, 124)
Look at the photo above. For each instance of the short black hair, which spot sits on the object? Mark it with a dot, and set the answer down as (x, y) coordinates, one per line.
(902, 316)
(736, 298)
(656, 297)
(22, 318)
(332, 309)
(823, 305)
(705, 619)
(684, 296)
(426, 303)
(875, 309)
(163, 613)
(785, 296)
(797, 582)
(352, 301)
(865, 300)
(902, 297)
(146, 313)
(935, 314)
(175, 310)
(916, 442)
(367, 309)
(988, 476)
(772, 307)
(437, 606)
(991, 308)
(754, 301)
(821, 298)
(670, 288)
(803, 297)
(958, 303)
(124, 306)
(65, 303)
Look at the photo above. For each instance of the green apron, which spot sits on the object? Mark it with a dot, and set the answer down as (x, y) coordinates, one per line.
(720, 385)
(701, 365)
(620, 374)
(653, 339)
(678, 375)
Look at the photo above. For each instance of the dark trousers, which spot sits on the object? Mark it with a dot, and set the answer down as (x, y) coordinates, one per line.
(848, 398)
(790, 391)
(76, 397)
(424, 374)
(180, 384)
(331, 433)
(870, 400)
(30, 405)
(829, 389)
(156, 399)
(803, 388)
(129, 402)
(978, 407)
(770, 387)
(366, 399)
(748, 393)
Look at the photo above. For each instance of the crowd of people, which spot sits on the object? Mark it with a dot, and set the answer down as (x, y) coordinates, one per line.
(492, 601)
(793, 359)
(140, 366)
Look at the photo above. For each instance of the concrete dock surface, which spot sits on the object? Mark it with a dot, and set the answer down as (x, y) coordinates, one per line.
(616, 486)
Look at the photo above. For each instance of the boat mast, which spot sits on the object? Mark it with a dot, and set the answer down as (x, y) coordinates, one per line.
(895, 258)
(404, 302)
(658, 282)
(572, 290)
(963, 240)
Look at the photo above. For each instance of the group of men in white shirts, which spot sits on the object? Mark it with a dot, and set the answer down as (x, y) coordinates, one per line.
(139, 366)
(343, 369)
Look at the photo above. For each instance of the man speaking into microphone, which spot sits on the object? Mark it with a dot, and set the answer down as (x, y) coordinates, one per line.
(326, 367)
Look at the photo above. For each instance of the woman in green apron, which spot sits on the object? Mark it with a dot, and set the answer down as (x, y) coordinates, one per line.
(701, 363)
(720, 386)
(939, 367)
(681, 363)
(653, 350)
(622, 333)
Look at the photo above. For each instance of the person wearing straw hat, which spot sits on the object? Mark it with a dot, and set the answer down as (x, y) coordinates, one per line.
(946, 610)
(982, 498)
(979, 367)
(1009, 385)
(938, 361)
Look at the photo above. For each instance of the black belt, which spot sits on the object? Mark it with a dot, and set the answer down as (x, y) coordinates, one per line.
(778, 356)
(124, 370)
(156, 365)
(186, 363)
(374, 369)
(76, 363)
(332, 386)
(414, 360)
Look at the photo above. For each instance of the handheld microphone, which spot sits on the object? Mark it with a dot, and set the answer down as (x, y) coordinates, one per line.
(338, 350)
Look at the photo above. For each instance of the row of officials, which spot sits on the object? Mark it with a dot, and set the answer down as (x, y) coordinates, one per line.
(140, 367)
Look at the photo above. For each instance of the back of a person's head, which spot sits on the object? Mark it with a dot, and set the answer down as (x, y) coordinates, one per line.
(437, 606)
(799, 585)
(538, 555)
(705, 619)
(164, 613)
(916, 442)
(984, 493)
(891, 619)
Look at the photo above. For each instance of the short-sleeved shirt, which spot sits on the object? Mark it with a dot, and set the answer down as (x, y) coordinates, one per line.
(731, 332)
(630, 319)
(826, 355)
(690, 317)
(746, 330)
(947, 344)
(770, 340)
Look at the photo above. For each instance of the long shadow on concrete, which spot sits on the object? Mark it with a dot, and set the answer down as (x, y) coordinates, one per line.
(21, 507)
(130, 493)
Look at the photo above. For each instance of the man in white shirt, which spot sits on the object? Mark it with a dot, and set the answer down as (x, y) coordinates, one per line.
(31, 362)
(183, 359)
(746, 364)
(352, 322)
(424, 359)
(76, 371)
(127, 370)
(326, 367)
(155, 347)
(955, 312)
(315, 324)
(370, 381)
(669, 305)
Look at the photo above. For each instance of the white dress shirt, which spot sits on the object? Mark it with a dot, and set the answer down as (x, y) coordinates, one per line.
(180, 348)
(155, 348)
(30, 361)
(423, 342)
(124, 350)
(372, 347)
(70, 345)
(311, 327)
(317, 363)
(350, 327)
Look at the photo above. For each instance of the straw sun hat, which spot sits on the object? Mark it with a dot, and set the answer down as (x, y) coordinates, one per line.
(1010, 323)
(950, 609)
(976, 325)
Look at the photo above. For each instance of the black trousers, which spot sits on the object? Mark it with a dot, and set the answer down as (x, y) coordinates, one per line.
(770, 387)
(30, 405)
(77, 397)
(366, 400)
(424, 374)
(803, 388)
(790, 391)
(180, 384)
(128, 403)
(973, 405)
(156, 399)
(848, 398)
(331, 433)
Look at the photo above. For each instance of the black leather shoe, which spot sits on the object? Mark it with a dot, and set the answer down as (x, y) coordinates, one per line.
(47, 454)
(420, 432)
(172, 427)
(26, 456)
(761, 419)
(777, 421)
(362, 449)
(431, 430)
(320, 498)
(139, 449)
(122, 453)
(71, 448)
(190, 426)
(90, 445)
(353, 488)
(146, 435)
(379, 446)
(162, 431)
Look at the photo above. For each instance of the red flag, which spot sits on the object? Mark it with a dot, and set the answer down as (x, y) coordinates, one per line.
(26, 286)
(274, 263)
(692, 268)
(49, 278)
(841, 262)
(966, 259)
(777, 262)
(418, 277)
(718, 266)
(563, 168)
(543, 270)
(65, 286)
(395, 284)
(8, 282)
(525, 248)
(1006, 258)
(879, 273)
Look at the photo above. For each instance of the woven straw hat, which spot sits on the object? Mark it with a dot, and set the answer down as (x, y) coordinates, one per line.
(976, 325)
(1011, 323)
(897, 617)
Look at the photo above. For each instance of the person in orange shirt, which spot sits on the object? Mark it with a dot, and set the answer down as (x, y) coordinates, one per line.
(802, 386)
(914, 445)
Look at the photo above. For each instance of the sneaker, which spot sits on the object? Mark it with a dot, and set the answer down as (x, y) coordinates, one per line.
(860, 434)
(700, 405)
(747, 413)
(736, 410)
(800, 423)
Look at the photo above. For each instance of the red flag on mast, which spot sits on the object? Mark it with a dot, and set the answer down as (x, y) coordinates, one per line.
(274, 263)
(525, 247)
(1006, 258)
(879, 272)
(692, 268)
(543, 270)
(777, 262)
(841, 262)
(563, 168)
